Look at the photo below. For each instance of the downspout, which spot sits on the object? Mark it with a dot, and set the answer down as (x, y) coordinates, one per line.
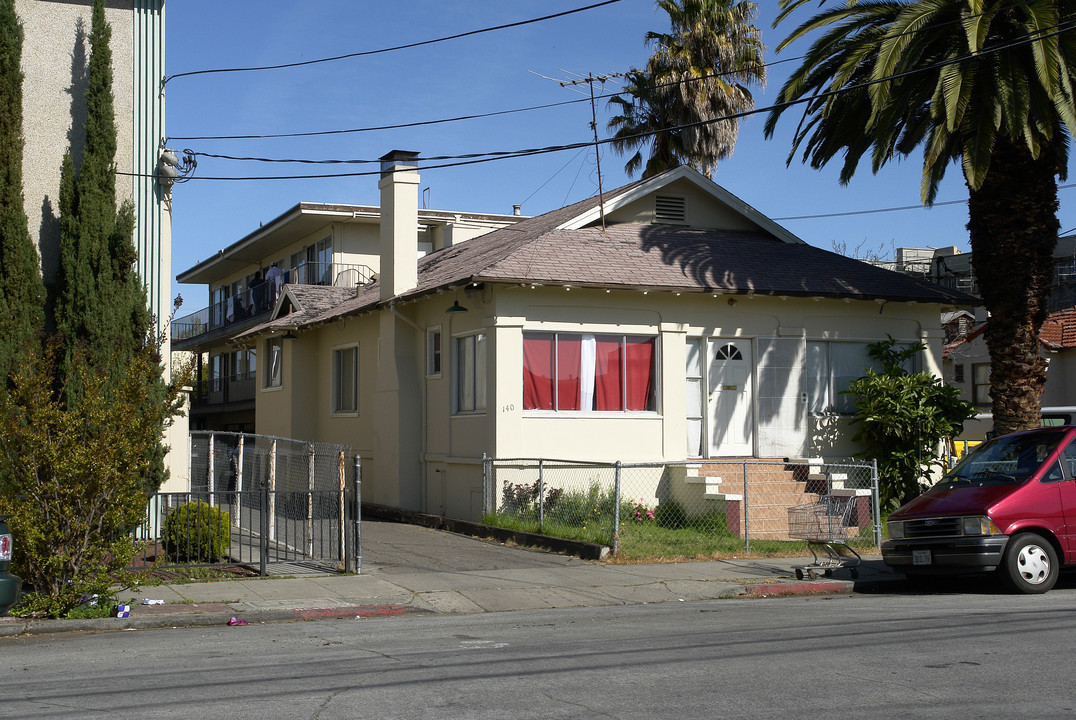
(422, 439)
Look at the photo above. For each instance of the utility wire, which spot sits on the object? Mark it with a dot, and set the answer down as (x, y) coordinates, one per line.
(399, 126)
(504, 154)
(397, 47)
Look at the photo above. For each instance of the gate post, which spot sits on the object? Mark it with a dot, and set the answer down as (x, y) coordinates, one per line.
(209, 466)
(616, 511)
(263, 540)
(541, 495)
(238, 483)
(342, 475)
(310, 500)
(353, 549)
(272, 490)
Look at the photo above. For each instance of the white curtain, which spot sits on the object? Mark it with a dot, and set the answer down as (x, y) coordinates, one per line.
(587, 360)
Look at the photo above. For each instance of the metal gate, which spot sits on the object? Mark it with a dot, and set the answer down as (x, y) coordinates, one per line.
(284, 502)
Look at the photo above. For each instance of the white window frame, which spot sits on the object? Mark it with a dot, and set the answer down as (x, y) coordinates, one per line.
(337, 374)
(472, 347)
(622, 336)
(435, 352)
(274, 367)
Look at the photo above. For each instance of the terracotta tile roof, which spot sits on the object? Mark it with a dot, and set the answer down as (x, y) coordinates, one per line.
(1059, 329)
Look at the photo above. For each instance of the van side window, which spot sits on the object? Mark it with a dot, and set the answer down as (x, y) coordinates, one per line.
(1068, 460)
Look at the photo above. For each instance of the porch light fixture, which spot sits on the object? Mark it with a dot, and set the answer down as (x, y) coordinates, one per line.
(289, 335)
(456, 308)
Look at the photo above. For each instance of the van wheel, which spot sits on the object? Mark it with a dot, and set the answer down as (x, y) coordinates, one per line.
(1030, 564)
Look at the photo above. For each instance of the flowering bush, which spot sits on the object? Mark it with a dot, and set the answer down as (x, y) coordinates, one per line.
(640, 512)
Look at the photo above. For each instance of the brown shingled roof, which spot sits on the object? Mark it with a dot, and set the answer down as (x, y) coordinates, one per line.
(645, 256)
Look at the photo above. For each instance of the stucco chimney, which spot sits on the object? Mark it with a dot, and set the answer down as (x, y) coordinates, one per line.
(399, 223)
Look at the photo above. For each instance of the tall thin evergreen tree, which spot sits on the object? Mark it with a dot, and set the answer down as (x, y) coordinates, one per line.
(22, 293)
(102, 317)
(101, 307)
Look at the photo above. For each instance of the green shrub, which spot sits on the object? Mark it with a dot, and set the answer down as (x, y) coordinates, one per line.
(197, 532)
(670, 514)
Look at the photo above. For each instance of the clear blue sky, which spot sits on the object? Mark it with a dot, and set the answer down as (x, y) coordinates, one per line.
(490, 72)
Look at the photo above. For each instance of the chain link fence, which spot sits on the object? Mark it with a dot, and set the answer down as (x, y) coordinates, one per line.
(284, 501)
(678, 509)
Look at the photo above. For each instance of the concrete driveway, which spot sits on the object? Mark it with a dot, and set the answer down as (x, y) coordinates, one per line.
(392, 548)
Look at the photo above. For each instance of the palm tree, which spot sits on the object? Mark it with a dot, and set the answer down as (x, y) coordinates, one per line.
(699, 72)
(987, 83)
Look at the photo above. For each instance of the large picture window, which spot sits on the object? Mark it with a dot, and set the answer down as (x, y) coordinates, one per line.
(471, 373)
(831, 368)
(345, 387)
(604, 373)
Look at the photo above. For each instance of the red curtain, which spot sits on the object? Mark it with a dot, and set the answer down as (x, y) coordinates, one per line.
(639, 357)
(569, 349)
(537, 371)
(607, 395)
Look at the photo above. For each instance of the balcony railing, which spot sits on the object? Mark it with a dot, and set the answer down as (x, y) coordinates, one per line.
(226, 389)
(259, 300)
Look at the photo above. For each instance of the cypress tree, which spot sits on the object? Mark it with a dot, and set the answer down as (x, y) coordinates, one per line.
(22, 293)
(101, 307)
(102, 316)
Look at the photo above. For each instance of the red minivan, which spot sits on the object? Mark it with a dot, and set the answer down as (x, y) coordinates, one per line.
(1009, 505)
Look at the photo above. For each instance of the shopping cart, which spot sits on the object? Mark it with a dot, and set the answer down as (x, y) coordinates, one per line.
(825, 525)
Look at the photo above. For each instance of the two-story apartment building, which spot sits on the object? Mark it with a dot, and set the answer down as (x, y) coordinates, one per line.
(310, 244)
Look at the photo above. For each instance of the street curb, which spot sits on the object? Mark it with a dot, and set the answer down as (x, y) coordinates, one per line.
(582, 550)
(13, 627)
(824, 587)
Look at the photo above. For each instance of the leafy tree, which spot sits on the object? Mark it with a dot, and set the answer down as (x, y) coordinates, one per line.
(77, 474)
(700, 71)
(22, 294)
(987, 83)
(902, 418)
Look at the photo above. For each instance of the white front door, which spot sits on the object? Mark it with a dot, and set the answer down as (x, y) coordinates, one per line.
(730, 399)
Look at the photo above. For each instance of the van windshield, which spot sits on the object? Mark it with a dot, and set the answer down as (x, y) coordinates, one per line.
(1006, 459)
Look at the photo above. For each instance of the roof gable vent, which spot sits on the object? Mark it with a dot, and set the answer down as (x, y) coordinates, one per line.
(670, 209)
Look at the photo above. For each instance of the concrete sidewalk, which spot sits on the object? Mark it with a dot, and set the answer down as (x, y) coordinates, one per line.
(424, 571)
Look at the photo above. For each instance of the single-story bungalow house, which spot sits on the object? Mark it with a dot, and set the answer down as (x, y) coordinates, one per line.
(664, 321)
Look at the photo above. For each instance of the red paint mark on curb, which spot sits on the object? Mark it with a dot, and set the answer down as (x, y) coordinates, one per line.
(798, 588)
(362, 611)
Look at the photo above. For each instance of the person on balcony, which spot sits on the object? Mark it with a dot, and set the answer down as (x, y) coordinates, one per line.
(274, 277)
(259, 293)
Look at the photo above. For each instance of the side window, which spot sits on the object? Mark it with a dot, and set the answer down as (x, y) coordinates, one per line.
(1067, 459)
(345, 384)
(433, 352)
(274, 375)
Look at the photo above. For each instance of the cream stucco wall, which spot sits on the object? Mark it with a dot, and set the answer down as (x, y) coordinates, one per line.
(701, 209)
(418, 453)
(55, 53)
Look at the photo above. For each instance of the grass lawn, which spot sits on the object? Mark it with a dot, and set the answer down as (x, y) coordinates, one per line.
(650, 542)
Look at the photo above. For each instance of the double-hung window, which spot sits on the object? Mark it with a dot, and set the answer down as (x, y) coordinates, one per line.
(345, 385)
(471, 373)
(584, 372)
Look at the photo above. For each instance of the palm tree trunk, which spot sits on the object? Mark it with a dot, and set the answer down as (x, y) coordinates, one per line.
(1013, 226)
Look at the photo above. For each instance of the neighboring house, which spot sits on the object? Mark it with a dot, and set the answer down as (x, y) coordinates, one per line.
(335, 248)
(692, 326)
(54, 60)
(966, 365)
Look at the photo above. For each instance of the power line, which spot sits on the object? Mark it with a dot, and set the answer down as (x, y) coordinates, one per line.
(400, 126)
(396, 47)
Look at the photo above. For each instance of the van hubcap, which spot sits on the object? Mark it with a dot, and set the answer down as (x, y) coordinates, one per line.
(1034, 564)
